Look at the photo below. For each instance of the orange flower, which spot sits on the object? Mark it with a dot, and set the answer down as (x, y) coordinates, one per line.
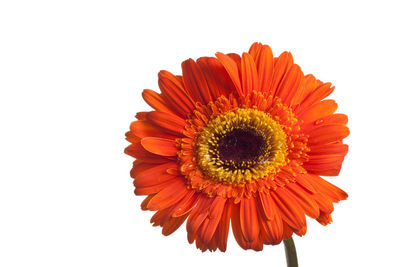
(240, 140)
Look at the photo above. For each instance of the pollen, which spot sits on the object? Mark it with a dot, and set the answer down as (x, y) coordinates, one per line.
(241, 145)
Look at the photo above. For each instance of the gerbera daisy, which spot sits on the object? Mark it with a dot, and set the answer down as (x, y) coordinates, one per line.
(240, 140)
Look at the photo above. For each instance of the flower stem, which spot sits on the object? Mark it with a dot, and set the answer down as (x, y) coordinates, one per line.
(290, 251)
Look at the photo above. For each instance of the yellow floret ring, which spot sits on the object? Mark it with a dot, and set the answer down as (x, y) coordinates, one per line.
(241, 145)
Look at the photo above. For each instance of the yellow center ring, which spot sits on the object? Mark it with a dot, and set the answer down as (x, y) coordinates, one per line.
(269, 159)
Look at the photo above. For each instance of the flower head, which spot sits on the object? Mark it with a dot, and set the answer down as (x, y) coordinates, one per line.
(241, 141)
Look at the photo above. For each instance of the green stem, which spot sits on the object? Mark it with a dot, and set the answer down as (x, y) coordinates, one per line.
(290, 251)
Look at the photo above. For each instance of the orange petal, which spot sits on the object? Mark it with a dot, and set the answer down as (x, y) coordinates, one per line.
(223, 228)
(146, 201)
(309, 85)
(324, 203)
(265, 68)
(131, 137)
(159, 217)
(267, 205)
(290, 84)
(287, 231)
(218, 79)
(330, 119)
(236, 58)
(304, 199)
(321, 92)
(213, 244)
(328, 172)
(155, 100)
(232, 69)
(236, 227)
(324, 218)
(257, 244)
(255, 49)
(272, 230)
(327, 149)
(169, 122)
(249, 219)
(168, 196)
(174, 93)
(335, 118)
(216, 210)
(160, 146)
(290, 211)
(281, 66)
(141, 115)
(195, 82)
(318, 111)
(151, 176)
(143, 169)
(328, 134)
(303, 180)
(324, 164)
(301, 231)
(328, 189)
(140, 191)
(186, 204)
(249, 74)
(197, 216)
(146, 129)
(173, 224)
(325, 160)
(137, 151)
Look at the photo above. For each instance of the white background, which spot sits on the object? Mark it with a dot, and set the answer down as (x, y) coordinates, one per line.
(71, 76)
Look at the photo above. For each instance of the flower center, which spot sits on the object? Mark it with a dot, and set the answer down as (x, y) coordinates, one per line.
(241, 145)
